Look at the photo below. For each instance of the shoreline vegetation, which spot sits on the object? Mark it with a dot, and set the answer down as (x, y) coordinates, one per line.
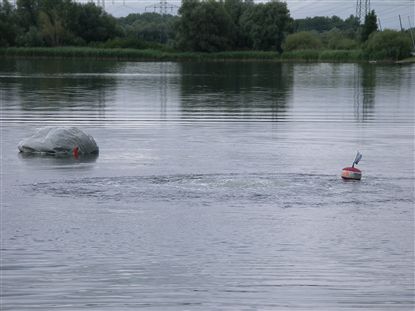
(129, 54)
(202, 30)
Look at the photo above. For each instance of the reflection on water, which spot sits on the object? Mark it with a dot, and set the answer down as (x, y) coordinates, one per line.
(364, 91)
(125, 94)
(217, 187)
(55, 90)
(231, 90)
(56, 159)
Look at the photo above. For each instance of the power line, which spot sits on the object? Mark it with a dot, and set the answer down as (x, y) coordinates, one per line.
(347, 6)
(391, 11)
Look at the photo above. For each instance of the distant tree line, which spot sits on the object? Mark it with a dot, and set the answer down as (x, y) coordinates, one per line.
(201, 26)
(149, 27)
(211, 25)
(324, 23)
(333, 33)
(54, 23)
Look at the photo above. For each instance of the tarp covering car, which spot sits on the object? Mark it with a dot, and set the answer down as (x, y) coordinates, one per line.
(61, 140)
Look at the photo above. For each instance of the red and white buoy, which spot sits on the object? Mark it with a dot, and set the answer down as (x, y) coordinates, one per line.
(352, 172)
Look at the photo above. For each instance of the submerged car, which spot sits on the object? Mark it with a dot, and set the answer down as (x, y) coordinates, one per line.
(52, 140)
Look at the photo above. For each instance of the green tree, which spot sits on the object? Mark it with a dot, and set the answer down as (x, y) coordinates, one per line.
(150, 27)
(317, 23)
(236, 9)
(52, 28)
(325, 23)
(27, 19)
(94, 24)
(336, 39)
(27, 13)
(60, 22)
(266, 25)
(304, 40)
(8, 24)
(351, 23)
(389, 44)
(370, 25)
(204, 26)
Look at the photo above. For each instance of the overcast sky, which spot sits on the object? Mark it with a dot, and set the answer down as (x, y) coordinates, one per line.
(388, 11)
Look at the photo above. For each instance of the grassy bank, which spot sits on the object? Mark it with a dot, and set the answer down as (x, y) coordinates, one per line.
(133, 54)
(160, 55)
(409, 60)
(325, 55)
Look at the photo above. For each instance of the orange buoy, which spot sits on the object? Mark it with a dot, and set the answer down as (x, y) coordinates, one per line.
(352, 172)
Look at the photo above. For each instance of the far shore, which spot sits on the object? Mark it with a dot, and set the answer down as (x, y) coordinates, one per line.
(407, 60)
(159, 55)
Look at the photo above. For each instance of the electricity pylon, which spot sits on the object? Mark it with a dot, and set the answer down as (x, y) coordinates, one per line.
(362, 9)
(162, 7)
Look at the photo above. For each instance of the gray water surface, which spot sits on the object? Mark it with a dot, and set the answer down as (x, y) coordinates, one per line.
(217, 187)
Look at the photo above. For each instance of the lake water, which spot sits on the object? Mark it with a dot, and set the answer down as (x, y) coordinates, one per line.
(217, 187)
